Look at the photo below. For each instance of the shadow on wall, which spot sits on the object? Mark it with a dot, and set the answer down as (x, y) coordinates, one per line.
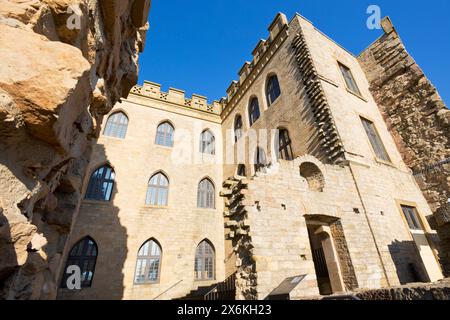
(8, 259)
(407, 261)
(100, 221)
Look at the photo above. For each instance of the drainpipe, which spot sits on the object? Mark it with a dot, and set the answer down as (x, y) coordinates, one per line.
(366, 214)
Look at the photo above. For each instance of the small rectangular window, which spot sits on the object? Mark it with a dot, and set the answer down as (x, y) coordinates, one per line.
(349, 80)
(375, 140)
(412, 217)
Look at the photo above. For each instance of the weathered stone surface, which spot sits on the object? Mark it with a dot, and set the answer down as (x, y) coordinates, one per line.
(64, 64)
(415, 115)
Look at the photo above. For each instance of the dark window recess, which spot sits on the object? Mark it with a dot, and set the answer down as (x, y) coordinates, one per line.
(284, 145)
(83, 255)
(253, 111)
(101, 184)
(349, 80)
(412, 218)
(273, 90)
(375, 140)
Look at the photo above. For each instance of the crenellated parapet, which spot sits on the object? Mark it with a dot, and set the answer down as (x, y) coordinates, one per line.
(177, 96)
(262, 54)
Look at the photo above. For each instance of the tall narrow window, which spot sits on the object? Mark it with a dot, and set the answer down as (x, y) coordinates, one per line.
(375, 140)
(238, 128)
(158, 190)
(206, 195)
(148, 263)
(284, 145)
(412, 218)
(164, 134)
(241, 170)
(207, 142)
(84, 255)
(101, 184)
(117, 125)
(253, 111)
(349, 80)
(273, 90)
(204, 261)
(261, 160)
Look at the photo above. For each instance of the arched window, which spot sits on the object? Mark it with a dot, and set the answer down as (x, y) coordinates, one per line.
(158, 190)
(204, 261)
(241, 170)
(284, 145)
(101, 184)
(253, 111)
(207, 142)
(238, 128)
(148, 263)
(261, 160)
(206, 194)
(117, 125)
(84, 255)
(164, 134)
(273, 90)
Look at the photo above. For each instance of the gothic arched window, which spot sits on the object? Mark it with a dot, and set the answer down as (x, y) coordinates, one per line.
(148, 263)
(116, 126)
(84, 255)
(207, 142)
(204, 261)
(101, 184)
(206, 194)
(158, 190)
(253, 111)
(272, 90)
(164, 134)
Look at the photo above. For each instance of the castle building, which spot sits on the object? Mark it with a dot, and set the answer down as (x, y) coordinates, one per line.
(292, 185)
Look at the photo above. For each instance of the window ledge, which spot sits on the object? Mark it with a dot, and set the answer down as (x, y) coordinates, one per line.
(163, 147)
(387, 163)
(143, 284)
(97, 202)
(273, 104)
(357, 95)
(113, 138)
(155, 207)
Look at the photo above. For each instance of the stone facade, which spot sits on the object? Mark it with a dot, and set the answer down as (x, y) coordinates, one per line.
(416, 117)
(64, 65)
(330, 219)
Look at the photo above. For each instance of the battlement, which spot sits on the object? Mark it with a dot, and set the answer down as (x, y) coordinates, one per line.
(177, 96)
(265, 48)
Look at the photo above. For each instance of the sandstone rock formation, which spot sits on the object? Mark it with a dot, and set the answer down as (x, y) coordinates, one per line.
(63, 66)
(417, 118)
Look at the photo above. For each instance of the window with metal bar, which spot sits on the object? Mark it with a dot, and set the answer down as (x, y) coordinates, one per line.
(349, 80)
(116, 125)
(158, 190)
(84, 255)
(273, 90)
(261, 160)
(253, 111)
(204, 262)
(238, 128)
(207, 143)
(148, 263)
(164, 134)
(284, 145)
(206, 195)
(375, 140)
(412, 218)
(101, 184)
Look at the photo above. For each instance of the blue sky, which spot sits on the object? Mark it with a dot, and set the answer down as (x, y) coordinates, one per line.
(200, 45)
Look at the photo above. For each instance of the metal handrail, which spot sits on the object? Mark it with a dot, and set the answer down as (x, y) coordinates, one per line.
(226, 286)
(176, 284)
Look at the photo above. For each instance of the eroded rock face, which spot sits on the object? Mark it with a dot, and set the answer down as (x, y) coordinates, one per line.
(417, 118)
(63, 66)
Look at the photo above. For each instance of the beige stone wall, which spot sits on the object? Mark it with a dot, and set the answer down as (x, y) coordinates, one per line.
(416, 116)
(122, 226)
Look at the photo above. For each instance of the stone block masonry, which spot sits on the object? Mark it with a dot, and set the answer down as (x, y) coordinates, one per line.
(416, 117)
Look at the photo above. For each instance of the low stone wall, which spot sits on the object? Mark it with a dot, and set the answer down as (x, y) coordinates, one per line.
(418, 291)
